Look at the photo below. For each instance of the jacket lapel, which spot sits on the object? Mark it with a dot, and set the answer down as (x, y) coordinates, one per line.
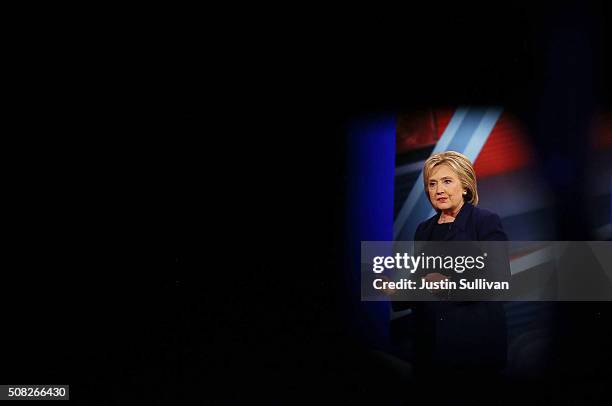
(460, 222)
(428, 229)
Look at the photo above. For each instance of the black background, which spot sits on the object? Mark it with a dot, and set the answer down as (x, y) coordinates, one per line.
(186, 243)
(259, 289)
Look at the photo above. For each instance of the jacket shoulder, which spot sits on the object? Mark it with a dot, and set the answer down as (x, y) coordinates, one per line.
(488, 225)
(483, 214)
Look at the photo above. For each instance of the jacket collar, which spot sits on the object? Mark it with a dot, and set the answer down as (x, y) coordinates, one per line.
(459, 224)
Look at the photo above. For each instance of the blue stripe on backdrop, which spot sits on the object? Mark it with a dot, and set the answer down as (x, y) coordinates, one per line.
(371, 174)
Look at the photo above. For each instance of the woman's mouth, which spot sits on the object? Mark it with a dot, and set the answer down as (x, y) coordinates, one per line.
(442, 199)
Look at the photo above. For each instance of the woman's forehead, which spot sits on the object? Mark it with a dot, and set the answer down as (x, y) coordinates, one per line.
(441, 171)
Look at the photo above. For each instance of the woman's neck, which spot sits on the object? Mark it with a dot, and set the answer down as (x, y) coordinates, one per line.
(448, 216)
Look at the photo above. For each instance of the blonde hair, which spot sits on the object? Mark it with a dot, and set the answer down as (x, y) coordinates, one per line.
(461, 165)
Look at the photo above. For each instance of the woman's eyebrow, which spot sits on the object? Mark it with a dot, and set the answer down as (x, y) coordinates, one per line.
(442, 178)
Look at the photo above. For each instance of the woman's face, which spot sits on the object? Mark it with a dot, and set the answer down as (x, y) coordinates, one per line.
(445, 189)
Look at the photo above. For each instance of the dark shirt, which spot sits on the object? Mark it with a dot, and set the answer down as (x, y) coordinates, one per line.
(440, 231)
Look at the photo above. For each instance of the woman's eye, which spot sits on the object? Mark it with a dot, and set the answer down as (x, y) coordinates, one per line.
(447, 181)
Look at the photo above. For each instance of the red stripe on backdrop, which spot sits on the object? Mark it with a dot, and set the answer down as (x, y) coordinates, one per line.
(444, 117)
(507, 149)
(421, 129)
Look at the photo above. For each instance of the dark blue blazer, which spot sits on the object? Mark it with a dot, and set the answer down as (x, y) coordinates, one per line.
(461, 334)
(471, 224)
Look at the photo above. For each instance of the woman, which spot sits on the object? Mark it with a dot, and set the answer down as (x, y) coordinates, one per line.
(452, 336)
